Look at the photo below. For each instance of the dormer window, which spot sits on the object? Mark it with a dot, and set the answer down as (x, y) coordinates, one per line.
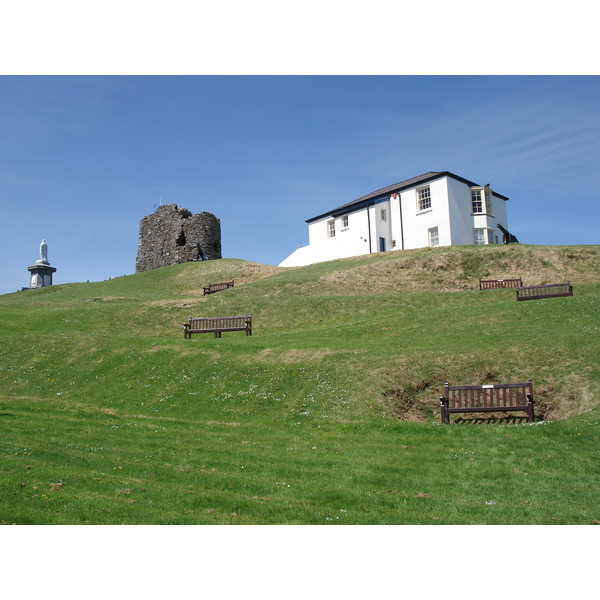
(481, 201)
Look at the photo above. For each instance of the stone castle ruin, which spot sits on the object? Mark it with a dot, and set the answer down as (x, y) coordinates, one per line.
(172, 236)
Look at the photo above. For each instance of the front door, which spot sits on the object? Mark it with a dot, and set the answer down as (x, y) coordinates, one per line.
(381, 244)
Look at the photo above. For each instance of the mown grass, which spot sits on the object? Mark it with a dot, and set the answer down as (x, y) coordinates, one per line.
(327, 414)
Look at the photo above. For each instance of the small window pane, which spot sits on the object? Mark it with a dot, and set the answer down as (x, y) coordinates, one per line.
(488, 202)
(424, 198)
(476, 201)
(434, 237)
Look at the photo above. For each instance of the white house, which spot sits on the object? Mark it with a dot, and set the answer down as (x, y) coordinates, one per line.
(434, 209)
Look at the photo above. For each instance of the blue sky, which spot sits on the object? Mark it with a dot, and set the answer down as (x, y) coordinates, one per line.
(84, 158)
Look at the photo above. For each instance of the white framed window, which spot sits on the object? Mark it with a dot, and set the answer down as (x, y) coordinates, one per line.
(434, 237)
(481, 201)
(345, 222)
(383, 214)
(423, 198)
(483, 236)
(488, 202)
(331, 228)
(476, 201)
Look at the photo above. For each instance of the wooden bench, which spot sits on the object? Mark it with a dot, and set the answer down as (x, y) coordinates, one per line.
(551, 290)
(217, 325)
(496, 284)
(217, 287)
(494, 397)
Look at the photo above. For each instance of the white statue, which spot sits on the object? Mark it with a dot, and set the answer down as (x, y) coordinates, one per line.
(44, 252)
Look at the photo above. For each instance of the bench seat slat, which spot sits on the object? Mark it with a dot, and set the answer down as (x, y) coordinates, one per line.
(217, 325)
(551, 290)
(487, 398)
(217, 287)
(496, 284)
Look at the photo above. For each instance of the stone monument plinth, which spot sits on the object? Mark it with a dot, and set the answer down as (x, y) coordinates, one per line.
(41, 271)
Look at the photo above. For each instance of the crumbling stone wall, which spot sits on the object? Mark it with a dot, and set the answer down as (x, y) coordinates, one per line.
(172, 235)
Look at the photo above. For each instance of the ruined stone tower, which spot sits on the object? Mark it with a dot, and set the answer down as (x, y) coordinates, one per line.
(172, 235)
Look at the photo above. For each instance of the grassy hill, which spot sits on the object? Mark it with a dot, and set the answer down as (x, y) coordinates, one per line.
(327, 414)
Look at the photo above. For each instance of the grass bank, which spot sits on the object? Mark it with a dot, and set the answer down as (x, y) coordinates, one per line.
(327, 414)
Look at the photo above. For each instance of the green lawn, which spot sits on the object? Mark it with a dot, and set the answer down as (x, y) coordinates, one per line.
(327, 414)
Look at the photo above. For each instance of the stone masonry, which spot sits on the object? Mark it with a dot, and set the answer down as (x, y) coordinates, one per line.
(172, 235)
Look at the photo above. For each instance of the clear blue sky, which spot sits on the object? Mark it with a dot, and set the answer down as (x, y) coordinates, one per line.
(84, 158)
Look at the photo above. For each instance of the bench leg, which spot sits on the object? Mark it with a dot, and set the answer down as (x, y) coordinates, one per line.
(444, 415)
(530, 412)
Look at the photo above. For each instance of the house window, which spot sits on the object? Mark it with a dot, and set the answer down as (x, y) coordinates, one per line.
(424, 198)
(484, 236)
(383, 215)
(488, 202)
(331, 228)
(476, 201)
(434, 237)
(345, 222)
(481, 201)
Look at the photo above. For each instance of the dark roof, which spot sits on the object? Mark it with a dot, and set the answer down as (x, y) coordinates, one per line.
(396, 187)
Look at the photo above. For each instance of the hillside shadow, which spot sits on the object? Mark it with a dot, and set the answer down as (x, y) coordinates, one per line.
(504, 420)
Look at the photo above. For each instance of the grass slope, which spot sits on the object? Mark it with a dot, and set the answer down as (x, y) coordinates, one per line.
(327, 414)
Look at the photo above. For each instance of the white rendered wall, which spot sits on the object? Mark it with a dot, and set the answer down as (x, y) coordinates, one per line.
(417, 223)
(396, 224)
(382, 228)
(461, 219)
(450, 212)
(350, 241)
(500, 216)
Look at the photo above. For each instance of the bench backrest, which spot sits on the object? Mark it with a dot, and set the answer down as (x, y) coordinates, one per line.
(217, 287)
(550, 290)
(495, 284)
(211, 323)
(500, 395)
(220, 286)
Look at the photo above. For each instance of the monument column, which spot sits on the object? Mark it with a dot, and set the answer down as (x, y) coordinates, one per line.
(41, 271)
